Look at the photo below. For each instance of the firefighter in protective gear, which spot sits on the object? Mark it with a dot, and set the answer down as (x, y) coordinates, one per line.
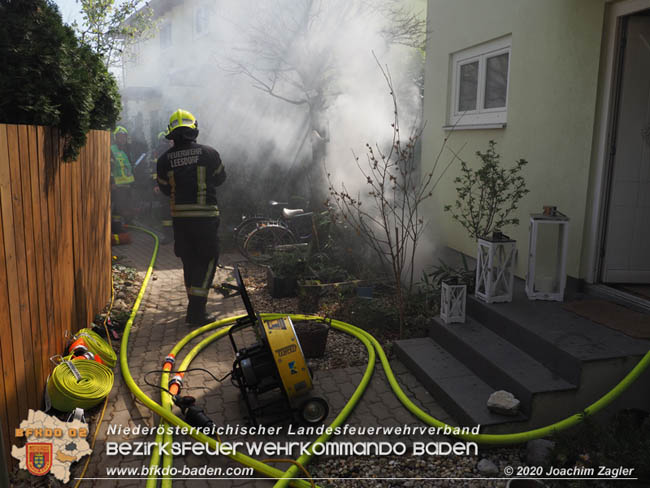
(189, 173)
(121, 185)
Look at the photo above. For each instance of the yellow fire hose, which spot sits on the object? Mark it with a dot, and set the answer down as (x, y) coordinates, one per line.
(98, 346)
(78, 384)
(373, 346)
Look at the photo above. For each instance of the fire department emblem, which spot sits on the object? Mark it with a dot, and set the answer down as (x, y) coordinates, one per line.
(39, 458)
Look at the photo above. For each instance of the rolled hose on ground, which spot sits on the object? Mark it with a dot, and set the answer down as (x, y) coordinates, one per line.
(97, 345)
(67, 393)
(366, 338)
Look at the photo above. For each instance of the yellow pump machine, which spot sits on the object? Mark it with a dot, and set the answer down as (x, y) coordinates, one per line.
(272, 374)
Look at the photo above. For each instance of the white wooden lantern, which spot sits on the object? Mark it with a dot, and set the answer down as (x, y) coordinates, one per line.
(452, 303)
(547, 288)
(495, 269)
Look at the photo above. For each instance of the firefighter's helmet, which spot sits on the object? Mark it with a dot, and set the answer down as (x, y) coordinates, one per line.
(181, 118)
(120, 130)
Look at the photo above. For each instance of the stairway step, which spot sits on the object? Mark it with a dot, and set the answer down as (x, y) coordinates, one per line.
(460, 392)
(495, 360)
(558, 338)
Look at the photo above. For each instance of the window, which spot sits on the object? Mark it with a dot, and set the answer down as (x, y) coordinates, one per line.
(479, 94)
(201, 20)
(165, 35)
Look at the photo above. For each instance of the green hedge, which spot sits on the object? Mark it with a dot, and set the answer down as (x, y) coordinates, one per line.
(49, 78)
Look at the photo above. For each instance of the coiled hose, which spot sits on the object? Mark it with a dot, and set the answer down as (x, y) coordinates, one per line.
(79, 384)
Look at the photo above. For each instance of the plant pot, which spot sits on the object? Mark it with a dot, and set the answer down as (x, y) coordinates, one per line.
(280, 287)
(365, 292)
(312, 336)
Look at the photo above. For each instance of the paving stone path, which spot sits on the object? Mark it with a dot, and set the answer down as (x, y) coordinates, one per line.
(159, 325)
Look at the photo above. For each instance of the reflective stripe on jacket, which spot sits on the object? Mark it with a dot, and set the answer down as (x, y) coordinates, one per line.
(189, 174)
(120, 167)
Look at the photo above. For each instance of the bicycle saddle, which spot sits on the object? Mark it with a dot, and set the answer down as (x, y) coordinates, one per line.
(290, 213)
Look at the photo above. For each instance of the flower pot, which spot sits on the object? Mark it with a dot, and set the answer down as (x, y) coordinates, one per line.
(280, 287)
(312, 335)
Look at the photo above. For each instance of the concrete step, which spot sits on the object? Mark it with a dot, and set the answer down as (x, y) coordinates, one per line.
(496, 361)
(559, 339)
(458, 390)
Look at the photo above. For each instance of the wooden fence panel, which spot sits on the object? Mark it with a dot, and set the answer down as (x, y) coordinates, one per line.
(55, 257)
(31, 276)
(40, 288)
(13, 295)
(8, 401)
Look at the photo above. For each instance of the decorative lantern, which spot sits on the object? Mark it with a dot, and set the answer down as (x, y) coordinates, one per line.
(547, 287)
(452, 302)
(495, 268)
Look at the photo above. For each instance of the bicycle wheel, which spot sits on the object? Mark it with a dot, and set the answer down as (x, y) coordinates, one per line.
(241, 232)
(262, 241)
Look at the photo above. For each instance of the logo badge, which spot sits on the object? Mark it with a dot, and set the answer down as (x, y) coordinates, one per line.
(292, 367)
(39, 458)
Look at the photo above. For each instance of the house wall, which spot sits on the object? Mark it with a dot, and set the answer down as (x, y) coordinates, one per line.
(554, 65)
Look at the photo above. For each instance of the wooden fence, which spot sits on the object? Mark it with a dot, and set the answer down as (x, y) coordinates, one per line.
(55, 257)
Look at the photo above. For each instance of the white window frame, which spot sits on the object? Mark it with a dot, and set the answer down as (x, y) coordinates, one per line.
(166, 25)
(204, 10)
(480, 117)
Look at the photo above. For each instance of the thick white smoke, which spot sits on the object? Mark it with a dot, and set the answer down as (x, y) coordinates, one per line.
(328, 84)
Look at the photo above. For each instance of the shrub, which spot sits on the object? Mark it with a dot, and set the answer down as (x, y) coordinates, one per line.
(50, 78)
(488, 196)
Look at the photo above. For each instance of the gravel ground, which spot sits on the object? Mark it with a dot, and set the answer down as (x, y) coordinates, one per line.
(411, 467)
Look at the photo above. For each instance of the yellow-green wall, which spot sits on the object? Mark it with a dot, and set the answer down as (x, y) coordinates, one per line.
(551, 106)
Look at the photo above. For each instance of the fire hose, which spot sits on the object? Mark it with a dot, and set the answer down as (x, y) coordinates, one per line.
(97, 345)
(78, 384)
(374, 349)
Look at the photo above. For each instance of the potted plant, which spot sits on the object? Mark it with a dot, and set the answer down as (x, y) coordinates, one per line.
(286, 266)
(487, 198)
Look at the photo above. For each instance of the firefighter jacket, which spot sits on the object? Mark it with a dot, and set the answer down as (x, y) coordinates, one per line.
(121, 171)
(189, 173)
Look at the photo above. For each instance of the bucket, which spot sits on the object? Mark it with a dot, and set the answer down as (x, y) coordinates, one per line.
(312, 335)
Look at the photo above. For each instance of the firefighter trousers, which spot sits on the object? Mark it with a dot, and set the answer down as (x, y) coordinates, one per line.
(197, 244)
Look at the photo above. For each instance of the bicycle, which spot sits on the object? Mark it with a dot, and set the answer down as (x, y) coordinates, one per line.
(294, 226)
(249, 224)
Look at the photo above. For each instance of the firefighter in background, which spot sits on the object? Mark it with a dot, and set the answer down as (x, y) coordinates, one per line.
(189, 173)
(121, 186)
(162, 211)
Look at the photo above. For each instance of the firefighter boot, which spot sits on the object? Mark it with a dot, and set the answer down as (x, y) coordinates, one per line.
(196, 314)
